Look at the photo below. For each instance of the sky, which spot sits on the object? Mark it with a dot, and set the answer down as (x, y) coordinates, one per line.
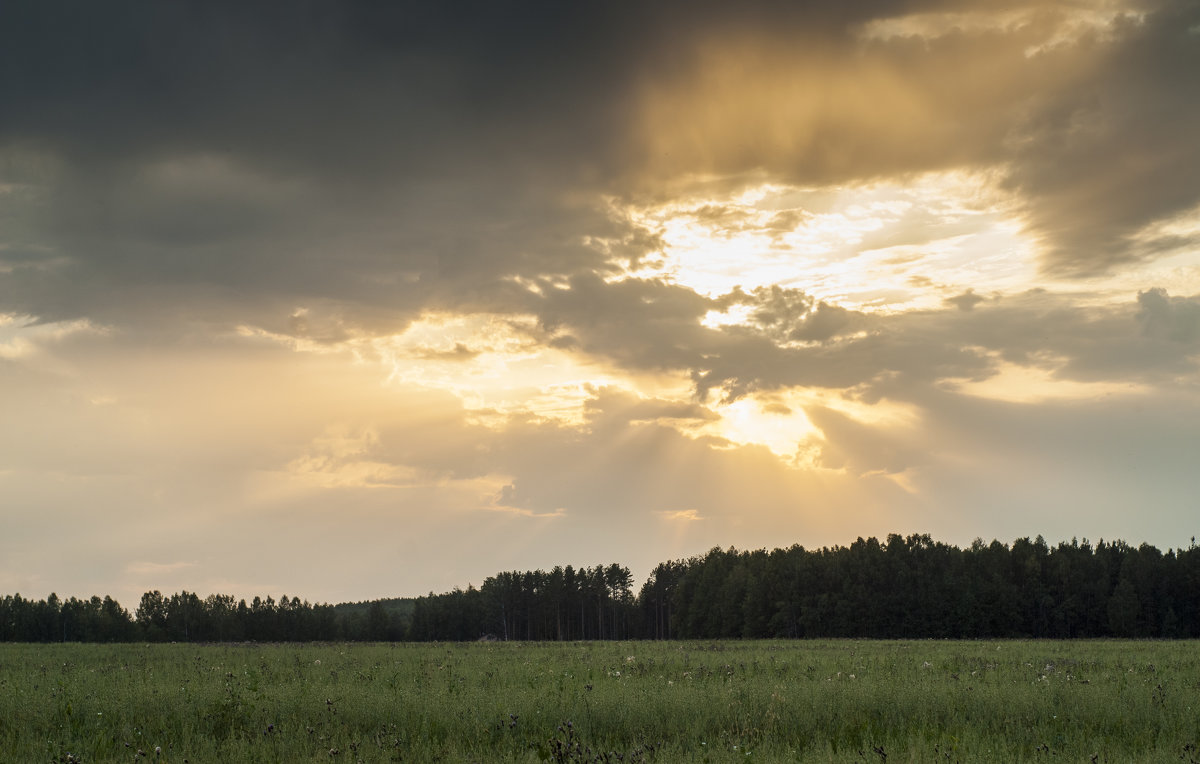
(358, 300)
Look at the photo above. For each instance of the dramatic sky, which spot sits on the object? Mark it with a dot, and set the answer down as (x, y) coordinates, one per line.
(354, 300)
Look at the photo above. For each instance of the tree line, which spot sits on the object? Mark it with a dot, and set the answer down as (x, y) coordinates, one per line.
(185, 617)
(902, 587)
(562, 604)
(915, 587)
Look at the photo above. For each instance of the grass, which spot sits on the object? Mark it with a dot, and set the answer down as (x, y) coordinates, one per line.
(642, 701)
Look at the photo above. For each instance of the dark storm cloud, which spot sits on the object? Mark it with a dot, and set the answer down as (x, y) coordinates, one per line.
(390, 154)
(268, 247)
(353, 91)
(382, 159)
(1117, 151)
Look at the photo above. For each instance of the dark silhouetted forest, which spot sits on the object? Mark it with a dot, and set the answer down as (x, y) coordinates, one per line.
(903, 587)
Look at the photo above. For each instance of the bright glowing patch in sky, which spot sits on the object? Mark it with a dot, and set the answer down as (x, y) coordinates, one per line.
(492, 363)
(883, 246)
(750, 421)
(1029, 384)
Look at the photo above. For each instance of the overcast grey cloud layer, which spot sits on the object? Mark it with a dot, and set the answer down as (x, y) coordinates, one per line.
(240, 146)
(236, 193)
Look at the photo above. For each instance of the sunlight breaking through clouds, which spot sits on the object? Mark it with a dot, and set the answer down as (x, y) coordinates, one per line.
(881, 246)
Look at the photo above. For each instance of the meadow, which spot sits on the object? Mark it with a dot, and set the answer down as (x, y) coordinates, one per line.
(838, 700)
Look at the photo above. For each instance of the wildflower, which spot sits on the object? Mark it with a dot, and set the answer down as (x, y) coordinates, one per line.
(158, 750)
(317, 662)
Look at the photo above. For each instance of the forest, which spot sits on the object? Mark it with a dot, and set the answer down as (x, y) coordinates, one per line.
(902, 587)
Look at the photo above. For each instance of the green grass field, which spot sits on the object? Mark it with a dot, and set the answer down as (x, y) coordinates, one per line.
(627, 701)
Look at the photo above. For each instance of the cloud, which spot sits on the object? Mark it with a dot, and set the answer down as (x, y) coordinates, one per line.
(1085, 115)
(1098, 160)
(22, 337)
(459, 352)
(428, 154)
(1162, 317)
(508, 500)
(682, 515)
(609, 403)
(860, 447)
(157, 569)
(965, 301)
(440, 158)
